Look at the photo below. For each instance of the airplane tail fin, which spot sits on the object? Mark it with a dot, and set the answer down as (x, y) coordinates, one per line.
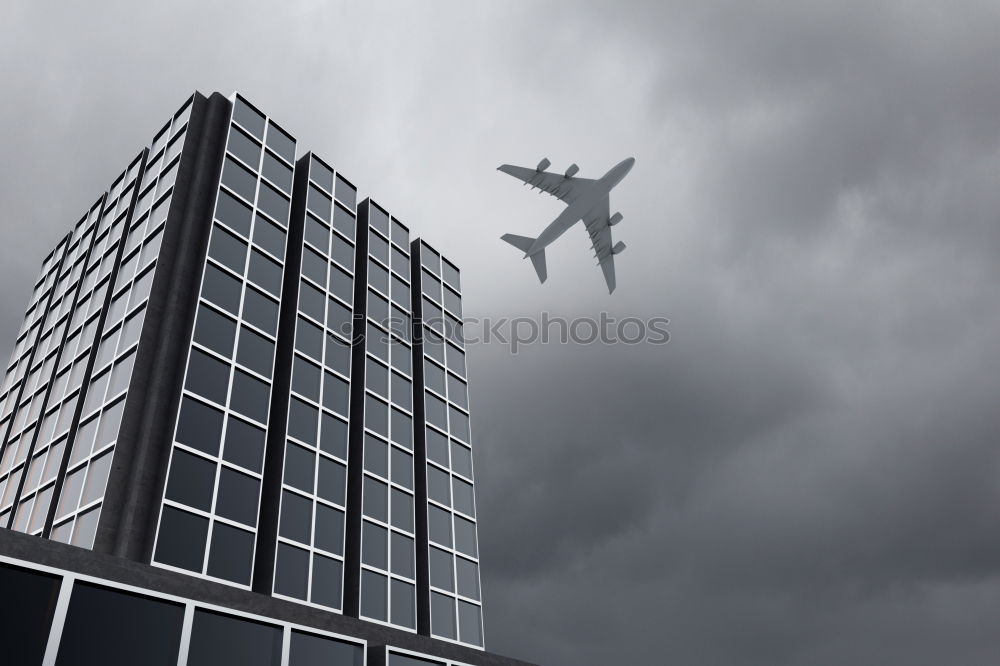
(524, 243)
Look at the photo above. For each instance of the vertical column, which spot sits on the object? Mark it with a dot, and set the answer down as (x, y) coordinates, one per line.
(383, 483)
(453, 593)
(308, 476)
(209, 509)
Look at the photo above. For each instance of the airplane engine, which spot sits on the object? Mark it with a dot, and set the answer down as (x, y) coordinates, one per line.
(614, 219)
(572, 170)
(543, 165)
(618, 248)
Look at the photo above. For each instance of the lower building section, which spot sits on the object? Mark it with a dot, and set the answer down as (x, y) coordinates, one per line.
(77, 607)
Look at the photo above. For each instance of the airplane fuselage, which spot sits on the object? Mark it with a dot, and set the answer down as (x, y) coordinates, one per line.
(579, 208)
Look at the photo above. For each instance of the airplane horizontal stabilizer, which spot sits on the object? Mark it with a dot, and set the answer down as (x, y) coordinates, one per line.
(522, 243)
(538, 261)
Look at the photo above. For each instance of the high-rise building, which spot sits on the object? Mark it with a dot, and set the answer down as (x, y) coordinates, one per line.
(235, 423)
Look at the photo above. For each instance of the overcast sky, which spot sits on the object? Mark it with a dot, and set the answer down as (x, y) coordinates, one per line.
(809, 472)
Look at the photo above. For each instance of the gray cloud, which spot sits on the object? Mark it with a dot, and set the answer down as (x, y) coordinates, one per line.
(806, 473)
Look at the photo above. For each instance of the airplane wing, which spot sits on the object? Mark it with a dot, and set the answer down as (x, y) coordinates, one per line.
(561, 187)
(600, 240)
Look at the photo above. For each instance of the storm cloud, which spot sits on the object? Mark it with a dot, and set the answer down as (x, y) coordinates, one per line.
(808, 473)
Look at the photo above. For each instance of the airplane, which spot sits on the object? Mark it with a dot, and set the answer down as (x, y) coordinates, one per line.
(586, 200)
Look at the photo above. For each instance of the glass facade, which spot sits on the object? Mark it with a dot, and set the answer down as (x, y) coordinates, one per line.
(209, 511)
(453, 554)
(334, 489)
(309, 557)
(388, 534)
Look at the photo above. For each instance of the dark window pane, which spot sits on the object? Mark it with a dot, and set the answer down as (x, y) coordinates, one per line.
(269, 237)
(265, 273)
(339, 318)
(309, 339)
(442, 616)
(345, 192)
(260, 311)
(470, 622)
(300, 467)
(464, 500)
(24, 626)
(318, 203)
(440, 564)
(377, 415)
(244, 147)
(406, 660)
(342, 252)
(374, 596)
(457, 392)
(312, 301)
(338, 355)
(318, 234)
(199, 426)
(341, 283)
(452, 301)
(305, 378)
(377, 377)
(248, 117)
(231, 554)
(109, 627)
(191, 481)
(220, 639)
(208, 376)
(376, 456)
(233, 213)
(402, 555)
(273, 203)
(402, 429)
(222, 289)
(309, 650)
(437, 447)
(404, 610)
(238, 179)
(401, 391)
(327, 581)
(400, 235)
(378, 309)
(333, 436)
(280, 142)
(244, 445)
(468, 578)
(256, 352)
(332, 481)
(461, 459)
(465, 537)
(314, 266)
(250, 396)
(378, 277)
(277, 172)
(291, 575)
(450, 274)
(296, 517)
(181, 539)
(402, 468)
(344, 221)
(436, 413)
(438, 485)
(439, 525)
(378, 219)
(401, 509)
(376, 502)
(401, 354)
(335, 393)
(238, 496)
(302, 421)
(374, 545)
(401, 264)
(329, 529)
(321, 173)
(400, 292)
(215, 331)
